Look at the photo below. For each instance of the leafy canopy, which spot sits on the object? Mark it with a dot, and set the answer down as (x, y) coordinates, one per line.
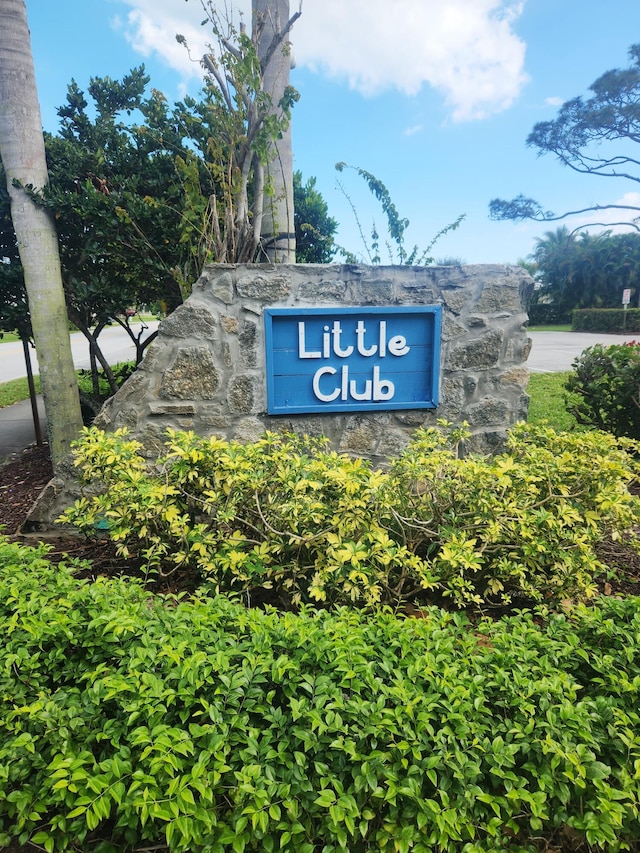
(585, 270)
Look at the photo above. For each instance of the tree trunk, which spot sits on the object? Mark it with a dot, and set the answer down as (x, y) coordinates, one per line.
(23, 157)
(278, 230)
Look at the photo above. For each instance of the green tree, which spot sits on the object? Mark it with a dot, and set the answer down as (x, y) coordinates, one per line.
(314, 227)
(117, 200)
(593, 136)
(23, 157)
(585, 270)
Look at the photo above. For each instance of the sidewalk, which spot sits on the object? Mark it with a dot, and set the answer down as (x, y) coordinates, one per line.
(16, 428)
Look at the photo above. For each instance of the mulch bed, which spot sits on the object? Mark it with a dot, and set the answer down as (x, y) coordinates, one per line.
(22, 478)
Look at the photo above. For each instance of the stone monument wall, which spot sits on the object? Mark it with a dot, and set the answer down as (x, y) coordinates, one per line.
(206, 370)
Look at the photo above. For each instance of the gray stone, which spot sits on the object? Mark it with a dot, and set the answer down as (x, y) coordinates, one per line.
(360, 436)
(248, 338)
(453, 394)
(478, 353)
(452, 328)
(522, 407)
(497, 297)
(229, 325)
(266, 288)
(475, 321)
(192, 376)
(455, 300)
(249, 429)
(190, 320)
(241, 395)
(217, 284)
(156, 409)
(490, 411)
(392, 442)
(379, 292)
(322, 291)
(513, 376)
(486, 443)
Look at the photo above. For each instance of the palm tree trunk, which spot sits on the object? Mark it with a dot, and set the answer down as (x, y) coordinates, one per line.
(278, 230)
(23, 157)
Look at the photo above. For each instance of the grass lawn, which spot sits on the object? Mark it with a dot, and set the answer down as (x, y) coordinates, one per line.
(565, 328)
(16, 390)
(547, 401)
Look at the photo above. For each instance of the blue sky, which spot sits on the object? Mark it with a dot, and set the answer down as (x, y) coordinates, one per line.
(434, 97)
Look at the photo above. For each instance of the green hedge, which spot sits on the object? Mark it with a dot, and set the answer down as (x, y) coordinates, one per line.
(544, 314)
(609, 320)
(129, 720)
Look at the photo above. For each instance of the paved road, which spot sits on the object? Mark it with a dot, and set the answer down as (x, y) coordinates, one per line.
(17, 429)
(551, 352)
(114, 342)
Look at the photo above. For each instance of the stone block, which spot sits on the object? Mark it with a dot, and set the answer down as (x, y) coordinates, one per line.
(248, 338)
(241, 394)
(266, 288)
(156, 409)
(229, 325)
(190, 320)
(478, 353)
(489, 411)
(191, 376)
(325, 290)
(216, 284)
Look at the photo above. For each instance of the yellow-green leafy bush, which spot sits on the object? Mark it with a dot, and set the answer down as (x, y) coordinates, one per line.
(311, 525)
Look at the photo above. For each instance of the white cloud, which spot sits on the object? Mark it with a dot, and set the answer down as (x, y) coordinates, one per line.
(613, 219)
(465, 49)
(554, 101)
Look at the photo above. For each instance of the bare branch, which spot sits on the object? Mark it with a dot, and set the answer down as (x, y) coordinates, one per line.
(211, 67)
(278, 38)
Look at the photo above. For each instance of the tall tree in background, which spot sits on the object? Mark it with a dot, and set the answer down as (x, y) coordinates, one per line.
(23, 157)
(594, 136)
(271, 25)
(584, 270)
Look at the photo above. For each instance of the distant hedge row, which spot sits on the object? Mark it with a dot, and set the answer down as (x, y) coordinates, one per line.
(129, 720)
(609, 320)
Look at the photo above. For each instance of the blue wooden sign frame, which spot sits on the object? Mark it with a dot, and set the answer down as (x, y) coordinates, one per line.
(352, 359)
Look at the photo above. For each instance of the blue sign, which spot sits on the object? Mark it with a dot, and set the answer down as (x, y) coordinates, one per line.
(352, 359)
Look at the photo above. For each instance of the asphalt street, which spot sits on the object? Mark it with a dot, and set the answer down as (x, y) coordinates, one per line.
(114, 343)
(551, 352)
(17, 429)
(554, 352)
